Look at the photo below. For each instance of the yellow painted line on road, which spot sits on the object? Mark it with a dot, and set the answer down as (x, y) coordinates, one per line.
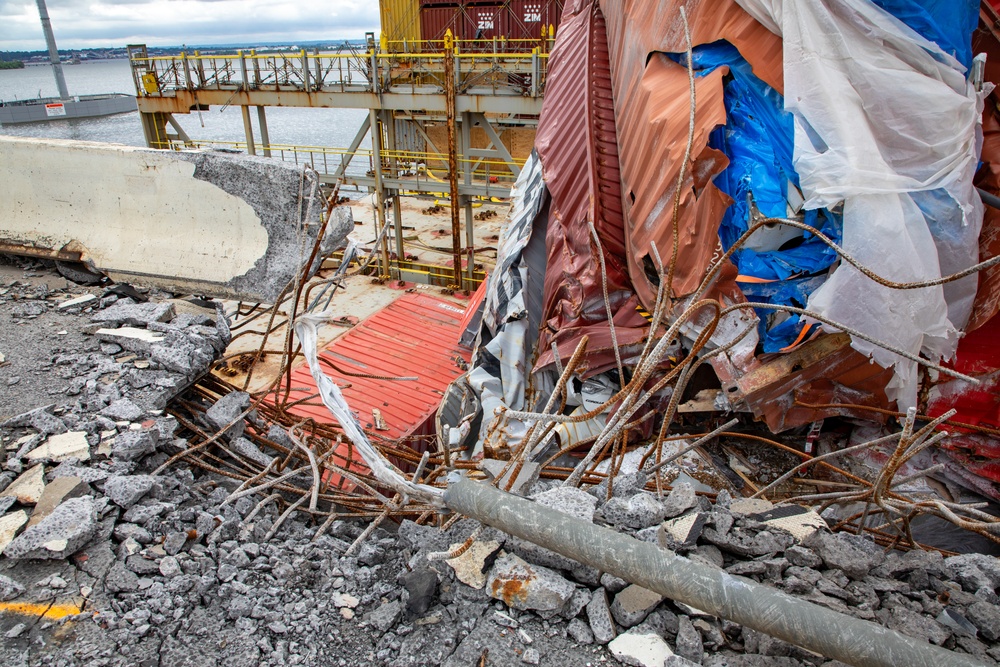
(41, 609)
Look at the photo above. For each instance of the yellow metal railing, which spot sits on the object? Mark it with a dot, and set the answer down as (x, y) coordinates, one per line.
(419, 163)
(499, 62)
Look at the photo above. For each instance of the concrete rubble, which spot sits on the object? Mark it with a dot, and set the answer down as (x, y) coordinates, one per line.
(169, 566)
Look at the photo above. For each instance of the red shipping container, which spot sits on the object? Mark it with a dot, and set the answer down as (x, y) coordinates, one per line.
(485, 22)
(526, 17)
(512, 20)
(435, 21)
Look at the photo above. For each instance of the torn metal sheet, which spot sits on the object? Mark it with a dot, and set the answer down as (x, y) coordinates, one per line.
(797, 388)
(578, 146)
(499, 371)
(652, 109)
(204, 223)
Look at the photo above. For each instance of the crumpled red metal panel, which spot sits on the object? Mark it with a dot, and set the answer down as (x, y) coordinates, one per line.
(987, 303)
(979, 405)
(577, 144)
(415, 336)
(796, 388)
(651, 103)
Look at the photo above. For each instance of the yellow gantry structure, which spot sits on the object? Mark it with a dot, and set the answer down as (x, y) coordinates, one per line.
(495, 86)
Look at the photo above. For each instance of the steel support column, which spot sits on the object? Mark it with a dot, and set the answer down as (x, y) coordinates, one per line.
(352, 150)
(379, 188)
(50, 42)
(154, 129)
(467, 168)
(248, 129)
(390, 133)
(449, 94)
(265, 140)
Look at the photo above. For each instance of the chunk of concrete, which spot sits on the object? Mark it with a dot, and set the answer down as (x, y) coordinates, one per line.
(641, 649)
(580, 632)
(689, 643)
(422, 585)
(470, 565)
(639, 511)
(854, 555)
(120, 579)
(28, 487)
(633, 604)
(246, 448)
(568, 500)
(69, 445)
(386, 616)
(77, 302)
(986, 618)
(524, 586)
(9, 525)
(681, 497)
(126, 490)
(60, 534)
(123, 410)
(86, 473)
(227, 410)
(602, 624)
(975, 571)
(135, 314)
(9, 589)
(133, 445)
(140, 341)
(57, 491)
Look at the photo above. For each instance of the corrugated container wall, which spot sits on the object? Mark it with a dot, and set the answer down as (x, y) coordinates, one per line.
(400, 21)
(435, 21)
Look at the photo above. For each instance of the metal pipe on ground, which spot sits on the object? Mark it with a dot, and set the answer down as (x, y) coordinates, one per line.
(712, 590)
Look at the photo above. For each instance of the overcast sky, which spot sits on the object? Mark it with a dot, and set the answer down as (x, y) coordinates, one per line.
(102, 23)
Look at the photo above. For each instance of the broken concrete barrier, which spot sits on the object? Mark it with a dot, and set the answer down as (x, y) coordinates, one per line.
(204, 222)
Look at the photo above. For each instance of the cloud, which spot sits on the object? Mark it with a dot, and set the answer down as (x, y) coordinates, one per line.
(104, 23)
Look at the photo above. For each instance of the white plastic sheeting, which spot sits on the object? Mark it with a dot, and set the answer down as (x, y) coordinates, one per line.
(886, 123)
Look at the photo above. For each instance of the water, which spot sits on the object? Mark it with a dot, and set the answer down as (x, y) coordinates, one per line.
(286, 125)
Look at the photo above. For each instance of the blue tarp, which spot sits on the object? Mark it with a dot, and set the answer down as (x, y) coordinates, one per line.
(777, 329)
(757, 139)
(947, 23)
